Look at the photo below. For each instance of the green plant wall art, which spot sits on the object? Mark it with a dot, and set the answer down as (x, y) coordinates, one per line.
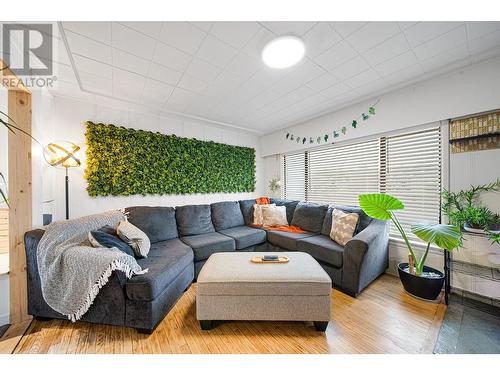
(123, 162)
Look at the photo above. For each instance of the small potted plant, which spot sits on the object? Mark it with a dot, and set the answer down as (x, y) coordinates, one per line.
(417, 278)
(274, 185)
(466, 211)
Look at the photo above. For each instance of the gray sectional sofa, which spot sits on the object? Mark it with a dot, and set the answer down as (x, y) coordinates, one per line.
(183, 238)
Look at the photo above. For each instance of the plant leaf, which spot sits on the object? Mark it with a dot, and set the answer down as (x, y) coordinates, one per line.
(445, 236)
(379, 206)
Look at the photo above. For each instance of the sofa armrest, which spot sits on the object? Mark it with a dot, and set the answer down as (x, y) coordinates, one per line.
(365, 257)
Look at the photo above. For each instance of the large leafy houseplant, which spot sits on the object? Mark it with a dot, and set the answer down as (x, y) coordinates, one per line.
(382, 207)
(466, 211)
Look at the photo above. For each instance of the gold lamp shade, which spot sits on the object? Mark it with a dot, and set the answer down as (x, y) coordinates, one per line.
(62, 154)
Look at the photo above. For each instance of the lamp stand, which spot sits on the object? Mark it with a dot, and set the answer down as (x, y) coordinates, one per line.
(67, 194)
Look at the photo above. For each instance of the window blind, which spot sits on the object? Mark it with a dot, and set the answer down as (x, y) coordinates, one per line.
(295, 176)
(339, 174)
(413, 175)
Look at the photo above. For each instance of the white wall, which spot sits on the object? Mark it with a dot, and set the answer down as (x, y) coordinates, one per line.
(470, 90)
(69, 115)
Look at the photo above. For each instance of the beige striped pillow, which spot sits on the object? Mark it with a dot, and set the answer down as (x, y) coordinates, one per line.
(136, 238)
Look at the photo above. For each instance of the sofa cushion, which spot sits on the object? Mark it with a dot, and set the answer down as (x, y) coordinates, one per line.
(322, 248)
(194, 219)
(247, 210)
(166, 260)
(204, 245)
(309, 216)
(290, 207)
(157, 222)
(286, 240)
(245, 236)
(226, 215)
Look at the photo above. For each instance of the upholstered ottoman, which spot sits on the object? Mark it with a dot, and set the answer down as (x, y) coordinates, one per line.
(231, 287)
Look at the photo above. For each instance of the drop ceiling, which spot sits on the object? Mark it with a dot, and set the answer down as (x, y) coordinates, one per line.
(213, 70)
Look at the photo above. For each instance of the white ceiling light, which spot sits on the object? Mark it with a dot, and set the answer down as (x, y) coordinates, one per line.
(283, 52)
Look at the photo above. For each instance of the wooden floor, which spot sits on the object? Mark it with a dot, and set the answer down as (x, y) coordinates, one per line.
(383, 319)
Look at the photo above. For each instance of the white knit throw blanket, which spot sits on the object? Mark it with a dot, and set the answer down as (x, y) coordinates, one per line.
(71, 271)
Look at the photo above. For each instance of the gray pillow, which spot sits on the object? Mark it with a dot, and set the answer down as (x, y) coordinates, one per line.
(194, 219)
(226, 215)
(309, 216)
(247, 210)
(157, 222)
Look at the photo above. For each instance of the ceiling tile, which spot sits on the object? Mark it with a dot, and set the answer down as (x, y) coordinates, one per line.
(99, 31)
(243, 65)
(87, 47)
(336, 55)
(171, 57)
(257, 43)
(442, 43)
(223, 84)
(202, 25)
(95, 84)
(192, 84)
(425, 31)
(149, 28)
(485, 43)
(320, 38)
(479, 29)
(236, 34)
(350, 68)
(124, 78)
(157, 92)
(126, 92)
(132, 41)
(372, 87)
(346, 28)
(64, 73)
(399, 62)
(126, 61)
(364, 78)
(164, 74)
(336, 90)
(279, 28)
(180, 99)
(406, 24)
(372, 34)
(93, 67)
(446, 58)
(392, 47)
(182, 35)
(216, 52)
(322, 82)
(202, 70)
(404, 75)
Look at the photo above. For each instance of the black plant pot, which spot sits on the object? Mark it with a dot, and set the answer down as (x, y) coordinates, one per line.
(419, 286)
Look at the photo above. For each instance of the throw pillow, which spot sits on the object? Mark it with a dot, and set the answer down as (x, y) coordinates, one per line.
(135, 237)
(100, 238)
(274, 216)
(343, 226)
(257, 213)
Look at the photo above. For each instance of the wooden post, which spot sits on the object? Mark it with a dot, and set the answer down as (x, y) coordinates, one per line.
(20, 195)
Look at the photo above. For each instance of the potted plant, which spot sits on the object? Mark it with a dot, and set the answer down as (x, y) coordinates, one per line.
(274, 185)
(417, 278)
(465, 211)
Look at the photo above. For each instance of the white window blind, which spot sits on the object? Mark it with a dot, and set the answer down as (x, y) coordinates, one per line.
(413, 175)
(340, 174)
(407, 167)
(295, 172)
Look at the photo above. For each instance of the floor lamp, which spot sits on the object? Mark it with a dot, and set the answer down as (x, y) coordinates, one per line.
(63, 154)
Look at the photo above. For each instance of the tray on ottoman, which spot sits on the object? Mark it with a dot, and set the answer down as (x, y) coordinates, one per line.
(232, 287)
